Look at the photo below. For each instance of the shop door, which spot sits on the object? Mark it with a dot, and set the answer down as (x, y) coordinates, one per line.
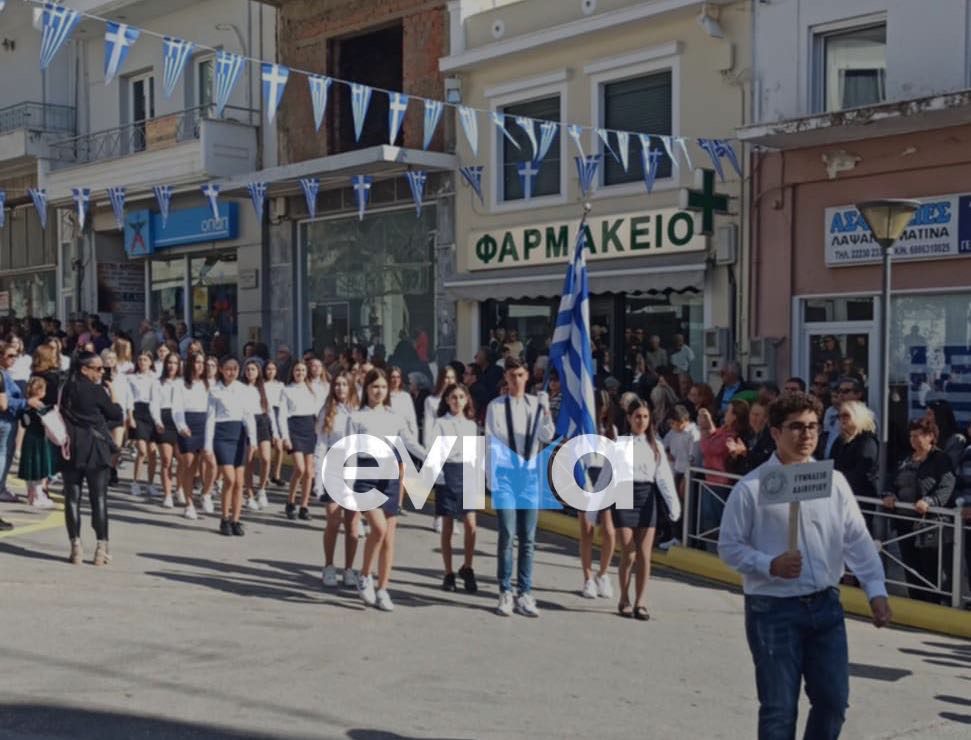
(213, 280)
(142, 109)
(843, 349)
(330, 325)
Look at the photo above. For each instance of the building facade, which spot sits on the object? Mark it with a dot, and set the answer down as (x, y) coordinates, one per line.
(857, 101)
(619, 65)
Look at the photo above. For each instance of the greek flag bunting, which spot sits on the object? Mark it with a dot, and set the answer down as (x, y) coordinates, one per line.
(257, 194)
(433, 114)
(526, 124)
(228, 69)
(275, 78)
(81, 196)
(175, 55)
(668, 144)
(119, 38)
(163, 196)
(724, 149)
(570, 349)
(500, 121)
(623, 148)
(683, 143)
(319, 89)
(211, 191)
(3, 194)
(605, 138)
(310, 187)
(397, 107)
(57, 25)
(470, 125)
(117, 198)
(548, 131)
(39, 197)
(473, 176)
(360, 102)
(587, 171)
(417, 180)
(576, 132)
(708, 146)
(650, 158)
(362, 191)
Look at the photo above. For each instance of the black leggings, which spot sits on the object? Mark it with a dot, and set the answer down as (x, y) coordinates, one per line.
(97, 480)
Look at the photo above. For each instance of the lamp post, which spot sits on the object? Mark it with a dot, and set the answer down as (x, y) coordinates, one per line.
(887, 220)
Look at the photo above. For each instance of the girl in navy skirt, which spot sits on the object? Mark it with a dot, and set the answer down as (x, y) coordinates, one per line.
(459, 421)
(210, 471)
(446, 377)
(190, 405)
(228, 428)
(266, 433)
(143, 385)
(377, 419)
(652, 478)
(166, 435)
(333, 425)
(274, 395)
(299, 408)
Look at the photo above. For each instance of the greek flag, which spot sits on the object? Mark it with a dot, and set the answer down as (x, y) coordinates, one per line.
(683, 143)
(58, 23)
(163, 195)
(119, 38)
(470, 125)
(228, 68)
(526, 124)
(605, 138)
(708, 146)
(587, 172)
(548, 131)
(570, 349)
(500, 121)
(319, 87)
(39, 196)
(81, 196)
(623, 148)
(257, 194)
(211, 191)
(724, 149)
(3, 194)
(360, 101)
(275, 78)
(175, 55)
(117, 198)
(668, 143)
(362, 190)
(310, 186)
(397, 107)
(650, 158)
(473, 176)
(416, 180)
(575, 132)
(433, 113)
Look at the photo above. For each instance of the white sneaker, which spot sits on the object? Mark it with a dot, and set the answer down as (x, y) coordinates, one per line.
(384, 601)
(526, 605)
(42, 502)
(605, 589)
(350, 578)
(589, 589)
(252, 504)
(668, 544)
(505, 604)
(207, 504)
(136, 490)
(167, 502)
(190, 512)
(437, 526)
(365, 588)
(262, 499)
(329, 577)
(179, 497)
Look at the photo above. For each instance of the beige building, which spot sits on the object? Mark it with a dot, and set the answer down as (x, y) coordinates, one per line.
(666, 68)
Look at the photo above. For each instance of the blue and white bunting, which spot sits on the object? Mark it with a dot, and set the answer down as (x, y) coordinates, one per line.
(57, 24)
(119, 38)
(81, 197)
(275, 78)
(605, 138)
(228, 69)
(668, 144)
(417, 180)
(211, 191)
(310, 187)
(527, 173)
(117, 198)
(360, 102)
(650, 158)
(500, 122)
(526, 124)
(576, 132)
(470, 125)
(433, 114)
(714, 150)
(623, 148)
(547, 130)
(362, 191)
(724, 149)
(319, 89)
(683, 143)
(39, 197)
(397, 108)
(175, 55)
(473, 176)
(163, 196)
(3, 194)
(587, 171)
(257, 194)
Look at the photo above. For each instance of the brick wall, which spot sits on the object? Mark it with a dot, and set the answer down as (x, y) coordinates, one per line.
(306, 26)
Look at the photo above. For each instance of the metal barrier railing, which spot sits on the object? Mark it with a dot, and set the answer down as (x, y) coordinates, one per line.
(37, 117)
(906, 540)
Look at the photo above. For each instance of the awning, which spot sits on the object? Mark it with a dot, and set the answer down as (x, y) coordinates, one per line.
(645, 275)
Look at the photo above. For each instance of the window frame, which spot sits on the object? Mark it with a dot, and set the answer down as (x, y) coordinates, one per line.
(817, 55)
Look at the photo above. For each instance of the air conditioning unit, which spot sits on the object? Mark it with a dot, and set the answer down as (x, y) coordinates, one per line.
(716, 342)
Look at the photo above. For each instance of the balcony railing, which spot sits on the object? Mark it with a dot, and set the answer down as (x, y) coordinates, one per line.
(149, 135)
(37, 117)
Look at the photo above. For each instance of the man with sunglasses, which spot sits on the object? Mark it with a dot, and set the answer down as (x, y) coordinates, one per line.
(793, 618)
(12, 405)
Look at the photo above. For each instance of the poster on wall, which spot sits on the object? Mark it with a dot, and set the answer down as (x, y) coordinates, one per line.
(121, 292)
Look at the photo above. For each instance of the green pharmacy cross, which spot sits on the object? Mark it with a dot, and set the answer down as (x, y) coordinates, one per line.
(705, 200)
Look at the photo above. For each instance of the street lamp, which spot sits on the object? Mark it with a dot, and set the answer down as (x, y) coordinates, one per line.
(887, 220)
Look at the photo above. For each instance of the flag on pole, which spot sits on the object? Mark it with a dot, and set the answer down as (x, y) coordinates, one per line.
(275, 78)
(211, 191)
(175, 55)
(587, 171)
(228, 69)
(470, 125)
(417, 180)
(81, 196)
(473, 176)
(362, 190)
(257, 194)
(117, 198)
(39, 197)
(57, 24)
(163, 195)
(548, 131)
(310, 187)
(500, 121)
(119, 38)
(397, 107)
(360, 102)
(3, 194)
(526, 124)
(433, 113)
(319, 89)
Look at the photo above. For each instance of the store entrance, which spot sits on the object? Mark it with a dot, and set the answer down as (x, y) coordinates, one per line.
(330, 324)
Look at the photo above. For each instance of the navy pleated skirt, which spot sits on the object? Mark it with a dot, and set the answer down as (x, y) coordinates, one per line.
(196, 421)
(229, 443)
(644, 513)
(303, 436)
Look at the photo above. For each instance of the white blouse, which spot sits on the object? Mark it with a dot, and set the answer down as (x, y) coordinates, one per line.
(454, 426)
(381, 421)
(298, 400)
(274, 392)
(144, 389)
(651, 468)
(194, 400)
(255, 406)
(404, 406)
(229, 403)
(342, 427)
(122, 391)
(431, 413)
(125, 368)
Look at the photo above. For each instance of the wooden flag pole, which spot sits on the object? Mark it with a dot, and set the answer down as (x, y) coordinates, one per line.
(793, 526)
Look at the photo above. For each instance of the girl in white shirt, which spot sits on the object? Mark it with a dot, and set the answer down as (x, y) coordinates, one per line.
(317, 376)
(446, 377)
(458, 422)
(652, 479)
(122, 349)
(274, 393)
(599, 585)
(333, 424)
(299, 406)
(210, 471)
(401, 401)
(190, 406)
(266, 434)
(166, 434)
(143, 385)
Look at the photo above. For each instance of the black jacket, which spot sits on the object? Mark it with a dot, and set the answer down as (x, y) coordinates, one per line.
(858, 461)
(760, 449)
(932, 480)
(87, 408)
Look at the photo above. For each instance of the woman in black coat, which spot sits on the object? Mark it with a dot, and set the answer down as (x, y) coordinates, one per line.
(88, 406)
(856, 451)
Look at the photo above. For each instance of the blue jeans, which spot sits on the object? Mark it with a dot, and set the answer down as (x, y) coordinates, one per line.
(792, 639)
(8, 441)
(522, 523)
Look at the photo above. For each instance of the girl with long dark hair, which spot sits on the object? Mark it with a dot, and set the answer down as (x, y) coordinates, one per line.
(190, 404)
(299, 408)
(166, 434)
(266, 433)
(143, 384)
